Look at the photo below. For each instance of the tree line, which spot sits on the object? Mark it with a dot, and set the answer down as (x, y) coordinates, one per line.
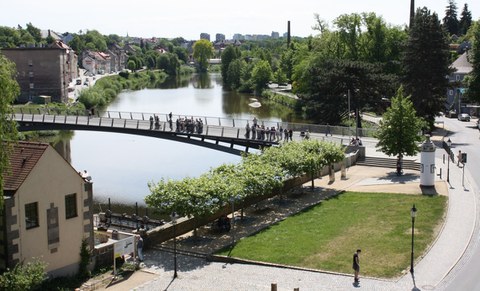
(358, 62)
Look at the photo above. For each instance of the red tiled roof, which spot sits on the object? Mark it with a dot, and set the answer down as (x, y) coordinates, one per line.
(23, 158)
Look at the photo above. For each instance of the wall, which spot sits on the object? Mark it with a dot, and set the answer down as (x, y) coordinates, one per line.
(48, 183)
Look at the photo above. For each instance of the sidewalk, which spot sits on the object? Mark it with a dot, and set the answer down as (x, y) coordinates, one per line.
(197, 274)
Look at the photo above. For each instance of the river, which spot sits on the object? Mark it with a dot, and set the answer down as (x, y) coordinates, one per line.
(122, 165)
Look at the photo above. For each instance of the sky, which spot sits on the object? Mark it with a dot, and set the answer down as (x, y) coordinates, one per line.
(189, 18)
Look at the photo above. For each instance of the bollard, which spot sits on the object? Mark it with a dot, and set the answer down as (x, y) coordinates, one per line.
(274, 287)
(343, 171)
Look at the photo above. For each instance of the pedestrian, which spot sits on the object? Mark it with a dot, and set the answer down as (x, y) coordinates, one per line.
(327, 132)
(290, 134)
(459, 158)
(140, 248)
(247, 131)
(151, 122)
(356, 265)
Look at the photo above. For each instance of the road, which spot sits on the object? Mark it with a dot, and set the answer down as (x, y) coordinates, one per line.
(466, 137)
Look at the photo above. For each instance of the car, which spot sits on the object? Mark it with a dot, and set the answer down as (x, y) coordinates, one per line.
(452, 113)
(464, 117)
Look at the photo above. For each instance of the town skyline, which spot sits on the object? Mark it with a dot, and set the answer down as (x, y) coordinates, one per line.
(188, 19)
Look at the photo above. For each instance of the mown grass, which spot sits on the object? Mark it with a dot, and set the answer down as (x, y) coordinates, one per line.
(326, 236)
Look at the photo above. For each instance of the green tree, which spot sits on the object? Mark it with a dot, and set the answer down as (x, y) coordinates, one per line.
(261, 75)
(425, 65)
(131, 65)
(27, 276)
(169, 63)
(234, 73)
(202, 51)
(95, 41)
(229, 55)
(9, 91)
(465, 20)
(34, 32)
(473, 83)
(9, 37)
(450, 21)
(398, 134)
(324, 85)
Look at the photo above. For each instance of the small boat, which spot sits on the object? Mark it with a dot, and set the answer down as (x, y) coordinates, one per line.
(255, 104)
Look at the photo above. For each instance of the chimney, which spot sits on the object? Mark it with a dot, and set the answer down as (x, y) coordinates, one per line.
(288, 34)
(412, 12)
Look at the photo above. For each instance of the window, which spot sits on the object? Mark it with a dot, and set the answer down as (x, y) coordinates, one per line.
(71, 206)
(31, 215)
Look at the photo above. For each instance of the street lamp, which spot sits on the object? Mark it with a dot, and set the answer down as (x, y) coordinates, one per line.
(174, 216)
(232, 199)
(449, 144)
(413, 213)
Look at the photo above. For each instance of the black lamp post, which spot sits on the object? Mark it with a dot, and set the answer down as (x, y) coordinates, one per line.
(232, 199)
(413, 213)
(449, 144)
(173, 216)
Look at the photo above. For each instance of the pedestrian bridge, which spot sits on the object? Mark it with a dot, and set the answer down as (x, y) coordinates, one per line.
(223, 134)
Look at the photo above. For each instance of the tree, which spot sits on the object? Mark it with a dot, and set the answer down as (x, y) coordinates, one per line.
(465, 20)
(34, 32)
(234, 73)
(473, 84)
(261, 75)
(229, 55)
(399, 128)
(324, 85)
(425, 65)
(450, 21)
(202, 51)
(27, 276)
(9, 90)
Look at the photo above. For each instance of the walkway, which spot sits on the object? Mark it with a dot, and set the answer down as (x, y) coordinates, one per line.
(197, 274)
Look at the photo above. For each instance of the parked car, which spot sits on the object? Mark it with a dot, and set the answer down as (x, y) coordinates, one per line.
(464, 117)
(452, 113)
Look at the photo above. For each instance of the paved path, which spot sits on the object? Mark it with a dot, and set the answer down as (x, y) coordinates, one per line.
(440, 259)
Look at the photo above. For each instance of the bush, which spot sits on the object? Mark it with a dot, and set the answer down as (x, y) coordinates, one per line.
(27, 276)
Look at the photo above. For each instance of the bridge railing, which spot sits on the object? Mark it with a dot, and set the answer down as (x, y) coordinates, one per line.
(163, 118)
(241, 123)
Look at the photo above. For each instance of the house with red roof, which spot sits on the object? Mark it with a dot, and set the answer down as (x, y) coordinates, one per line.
(47, 210)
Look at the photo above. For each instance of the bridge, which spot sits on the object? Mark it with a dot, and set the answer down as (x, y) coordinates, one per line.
(223, 134)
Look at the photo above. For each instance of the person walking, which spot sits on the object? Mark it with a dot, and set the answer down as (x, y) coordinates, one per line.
(140, 248)
(356, 265)
(459, 158)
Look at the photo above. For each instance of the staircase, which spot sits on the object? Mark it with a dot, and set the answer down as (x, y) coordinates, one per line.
(388, 163)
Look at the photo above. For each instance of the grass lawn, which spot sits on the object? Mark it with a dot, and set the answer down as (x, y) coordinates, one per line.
(326, 236)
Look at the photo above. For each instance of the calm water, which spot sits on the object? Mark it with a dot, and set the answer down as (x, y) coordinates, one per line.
(122, 165)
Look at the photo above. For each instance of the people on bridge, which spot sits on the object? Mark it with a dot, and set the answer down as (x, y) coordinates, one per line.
(285, 133)
(290, 134)
(157, 122)
(151, 122)
(247, 131)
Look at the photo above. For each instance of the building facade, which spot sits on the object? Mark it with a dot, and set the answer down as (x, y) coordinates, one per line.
(44, 71)
(47, 210)
(461, 68)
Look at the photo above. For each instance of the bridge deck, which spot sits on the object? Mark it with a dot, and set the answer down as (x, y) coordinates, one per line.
(229, 135)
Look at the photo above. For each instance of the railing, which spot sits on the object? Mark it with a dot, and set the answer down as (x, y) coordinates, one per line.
(206, 120)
